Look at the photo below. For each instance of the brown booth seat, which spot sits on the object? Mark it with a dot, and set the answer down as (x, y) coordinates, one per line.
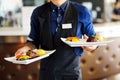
(103, 62)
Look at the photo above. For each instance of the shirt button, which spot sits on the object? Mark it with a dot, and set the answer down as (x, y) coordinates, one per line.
(59, 15)
(53, 10)
(56, 29)
(58, 25)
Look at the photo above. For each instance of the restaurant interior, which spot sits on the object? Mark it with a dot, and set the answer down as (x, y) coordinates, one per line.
(100, 64)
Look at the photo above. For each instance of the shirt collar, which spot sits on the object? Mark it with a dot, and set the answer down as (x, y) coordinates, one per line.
(63, 6)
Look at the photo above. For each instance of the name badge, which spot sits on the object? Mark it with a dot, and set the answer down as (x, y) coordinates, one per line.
(67, 26)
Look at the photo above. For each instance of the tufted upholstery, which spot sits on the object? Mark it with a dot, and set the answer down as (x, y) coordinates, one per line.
(9, 71)
(101, 63)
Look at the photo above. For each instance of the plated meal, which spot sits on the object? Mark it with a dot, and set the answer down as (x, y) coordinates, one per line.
(30, 56)
(73, 39)
(92, 40)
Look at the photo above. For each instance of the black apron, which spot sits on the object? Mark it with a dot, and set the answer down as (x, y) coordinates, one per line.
(63, 64)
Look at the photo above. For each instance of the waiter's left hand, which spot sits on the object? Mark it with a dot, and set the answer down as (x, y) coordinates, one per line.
(88, 48)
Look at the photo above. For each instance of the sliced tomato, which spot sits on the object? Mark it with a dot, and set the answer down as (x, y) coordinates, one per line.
(18, 56)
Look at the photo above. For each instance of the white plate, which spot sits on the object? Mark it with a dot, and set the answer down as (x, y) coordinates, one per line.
(13, 59)
(84, 43)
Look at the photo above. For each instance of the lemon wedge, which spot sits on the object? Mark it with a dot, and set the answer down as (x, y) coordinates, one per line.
(75, 39)
(40, 52)
(99, 37)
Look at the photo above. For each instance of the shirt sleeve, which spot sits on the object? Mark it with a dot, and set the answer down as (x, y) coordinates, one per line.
(34, 32)
(86, 19)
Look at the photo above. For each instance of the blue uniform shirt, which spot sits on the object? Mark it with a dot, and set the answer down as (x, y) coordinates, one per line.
(56, 16)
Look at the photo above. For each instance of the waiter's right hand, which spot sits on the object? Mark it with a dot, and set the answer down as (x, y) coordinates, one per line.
(22, 50)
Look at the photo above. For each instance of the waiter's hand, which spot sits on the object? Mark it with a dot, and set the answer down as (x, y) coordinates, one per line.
(88, 48)
(22, 50)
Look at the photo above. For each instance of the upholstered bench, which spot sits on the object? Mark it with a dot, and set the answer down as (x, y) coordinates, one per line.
(103, 62)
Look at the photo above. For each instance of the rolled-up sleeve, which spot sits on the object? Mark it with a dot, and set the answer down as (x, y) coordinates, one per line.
(34, 31)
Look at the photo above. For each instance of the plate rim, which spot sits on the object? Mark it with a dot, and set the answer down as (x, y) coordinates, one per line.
(29, 60)
(73, 44)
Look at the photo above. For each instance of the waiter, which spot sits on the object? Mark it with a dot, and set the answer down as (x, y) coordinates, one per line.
(50, 22)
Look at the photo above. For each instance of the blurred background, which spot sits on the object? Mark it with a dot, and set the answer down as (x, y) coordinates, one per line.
(11, 10)
(15, 16)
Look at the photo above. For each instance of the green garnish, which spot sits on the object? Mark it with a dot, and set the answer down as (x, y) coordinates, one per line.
(93, 36)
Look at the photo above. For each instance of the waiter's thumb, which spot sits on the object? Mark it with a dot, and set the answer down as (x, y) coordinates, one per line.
(85, 36)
